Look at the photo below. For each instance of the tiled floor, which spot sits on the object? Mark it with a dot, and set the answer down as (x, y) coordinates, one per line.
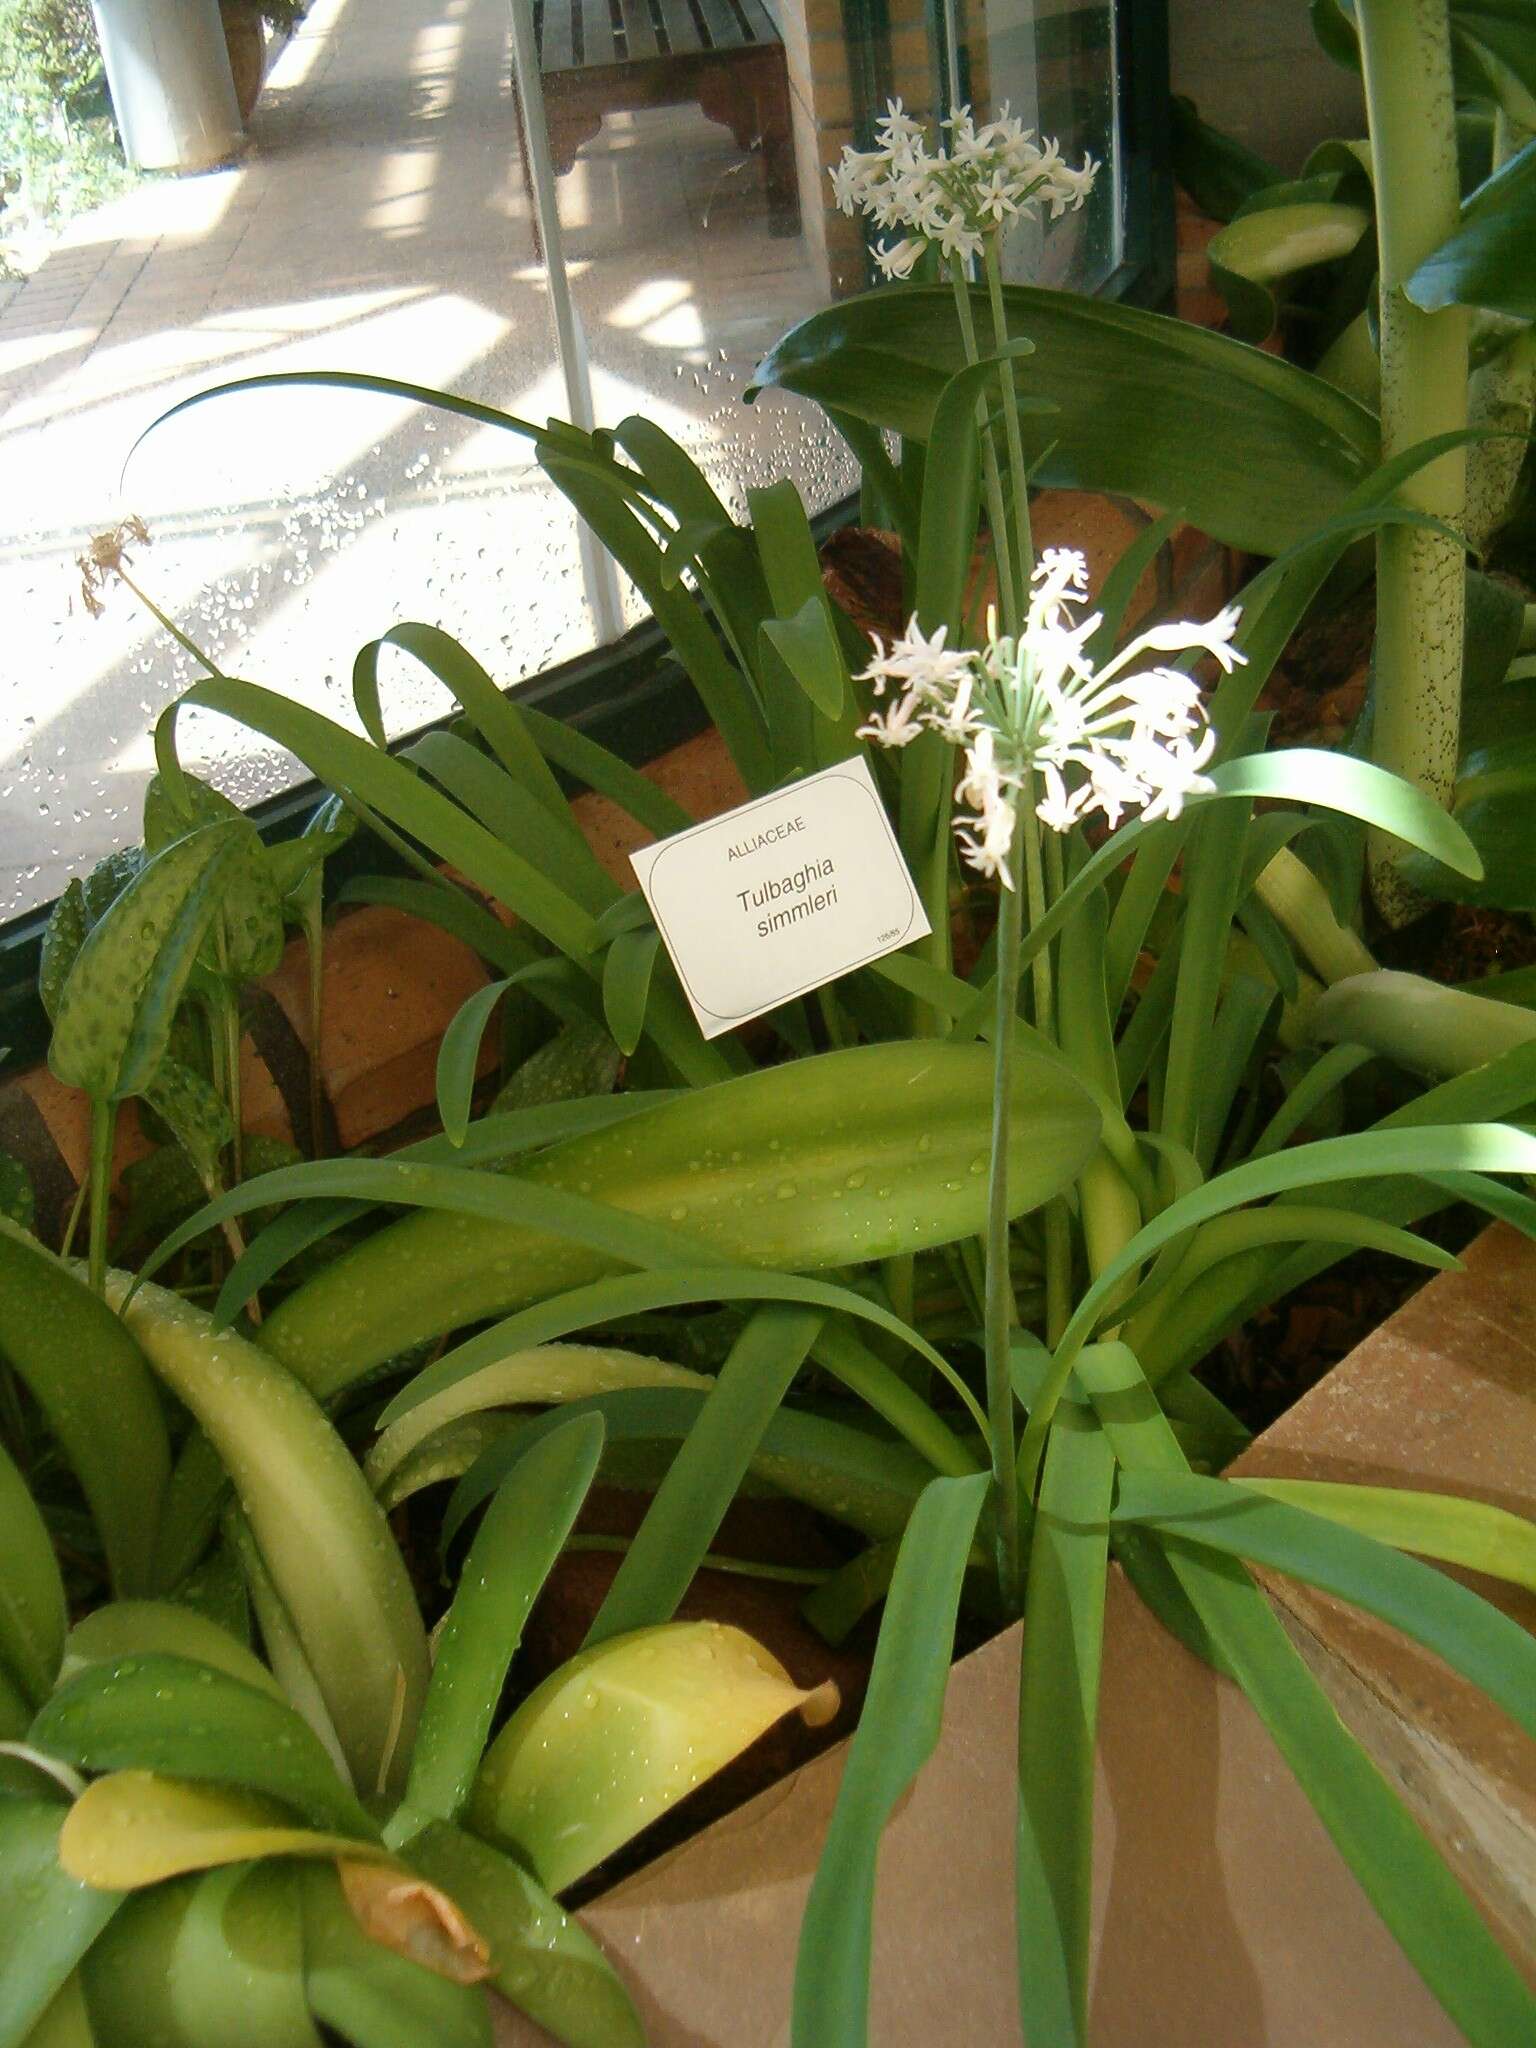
(378, 223)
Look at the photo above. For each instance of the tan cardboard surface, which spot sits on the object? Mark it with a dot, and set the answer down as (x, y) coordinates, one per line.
(1224, 1918)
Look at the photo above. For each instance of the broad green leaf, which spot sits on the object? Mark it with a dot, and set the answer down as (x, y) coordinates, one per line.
(1495, 779)
(501, 723)
(847, 1156)
(306, 1501)
(1217, 171)
(544, 1961)
(1473, 1637)
(1260, 249)
(515, 1547)
(47, 1919)
(63, 936)
(1058, 1720)
(94, 1386)
(440, 903)
(194, 1112)
(164, 1713)
(1420, 1024)
(67, 2022)
(704, 1477)
(627, 971)
(621, 1732)
(150, 1628)
(371, 1997)
(32, 1614)
(1487, 262)
(138, 1828)
(897, 1733)
(249, 935)
(1143, 400)
(117, 1007)
(211, 1958)
(604, 771)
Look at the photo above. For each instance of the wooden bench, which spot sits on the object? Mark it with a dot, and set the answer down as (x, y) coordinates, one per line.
(600, 57)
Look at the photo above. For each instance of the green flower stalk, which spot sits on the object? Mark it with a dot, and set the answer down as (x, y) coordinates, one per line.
(1045, 731)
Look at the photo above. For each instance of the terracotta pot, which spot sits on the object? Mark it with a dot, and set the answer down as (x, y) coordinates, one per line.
(247, 41)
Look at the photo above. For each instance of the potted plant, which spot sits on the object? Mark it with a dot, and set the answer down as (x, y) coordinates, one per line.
(964, 1228)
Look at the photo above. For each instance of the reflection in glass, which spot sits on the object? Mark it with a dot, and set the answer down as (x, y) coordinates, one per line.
(381, 221)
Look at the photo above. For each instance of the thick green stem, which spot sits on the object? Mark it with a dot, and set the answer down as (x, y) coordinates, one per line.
(1007, 593)
(103, 1135)
(1000, 1309)
(1406, 59)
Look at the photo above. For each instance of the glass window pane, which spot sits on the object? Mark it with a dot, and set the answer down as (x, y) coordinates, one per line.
(382, 219)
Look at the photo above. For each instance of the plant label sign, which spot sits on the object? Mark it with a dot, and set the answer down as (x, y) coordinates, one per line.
(781, 896)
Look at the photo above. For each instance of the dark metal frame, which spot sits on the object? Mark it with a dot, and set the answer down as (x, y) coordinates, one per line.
(633, 696)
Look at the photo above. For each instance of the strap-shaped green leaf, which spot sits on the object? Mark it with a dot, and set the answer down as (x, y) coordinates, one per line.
(514, 1549)
(704, 1477)
(627, 970)
(1473, 1637)
(868, 1482)
(1470, 1533)
(1058, 1720)
(1436, 1925)
(897, 1733)
(117, 1007)
(808, 648)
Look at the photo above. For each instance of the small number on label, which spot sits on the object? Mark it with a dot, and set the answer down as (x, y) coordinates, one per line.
(881, 937)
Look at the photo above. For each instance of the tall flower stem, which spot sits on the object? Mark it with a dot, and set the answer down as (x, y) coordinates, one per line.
(1000, 1310)
(1007, 589)
(1023, 539)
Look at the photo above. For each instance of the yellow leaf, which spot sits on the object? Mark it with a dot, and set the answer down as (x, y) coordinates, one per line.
(136, 1828)
(622, 1732)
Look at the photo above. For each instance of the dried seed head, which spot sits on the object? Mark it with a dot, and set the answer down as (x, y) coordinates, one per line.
(104, 558)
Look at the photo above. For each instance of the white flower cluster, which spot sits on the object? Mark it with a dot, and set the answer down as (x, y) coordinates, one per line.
(986, 177)
(1038, 707)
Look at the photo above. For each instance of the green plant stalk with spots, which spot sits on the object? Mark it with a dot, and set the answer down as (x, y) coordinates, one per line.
(1405, 50)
